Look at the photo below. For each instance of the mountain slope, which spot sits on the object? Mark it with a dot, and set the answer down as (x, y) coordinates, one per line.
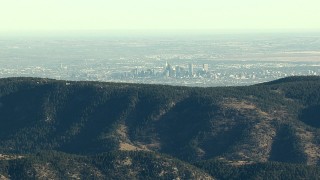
(115, 165)
(275, 121)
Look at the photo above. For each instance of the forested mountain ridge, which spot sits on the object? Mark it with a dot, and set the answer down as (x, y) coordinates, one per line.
(236, 126)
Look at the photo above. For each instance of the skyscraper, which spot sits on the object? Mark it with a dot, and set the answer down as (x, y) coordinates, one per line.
(205, 67)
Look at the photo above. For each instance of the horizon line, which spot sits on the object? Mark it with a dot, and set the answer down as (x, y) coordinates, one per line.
(153, 32)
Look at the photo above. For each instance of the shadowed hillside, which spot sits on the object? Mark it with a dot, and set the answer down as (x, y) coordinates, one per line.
(275, 121)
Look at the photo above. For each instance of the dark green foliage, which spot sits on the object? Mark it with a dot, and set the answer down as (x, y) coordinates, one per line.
(91, 121)
(271, 170)
(113, 165)
(285, 147)
(311, 116)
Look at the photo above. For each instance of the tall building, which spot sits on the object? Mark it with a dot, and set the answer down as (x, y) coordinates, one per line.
(135, 71)
(205, 67)
(168, 70)
(166, 73)
(190, 69)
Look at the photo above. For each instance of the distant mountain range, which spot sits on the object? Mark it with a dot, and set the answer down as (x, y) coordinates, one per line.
(97, 130)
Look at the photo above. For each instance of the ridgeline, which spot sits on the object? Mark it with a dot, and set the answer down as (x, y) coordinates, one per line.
(97, 130)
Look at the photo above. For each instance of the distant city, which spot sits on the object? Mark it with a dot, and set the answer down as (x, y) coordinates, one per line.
(214, 61)
(223, 74)
(167, 71)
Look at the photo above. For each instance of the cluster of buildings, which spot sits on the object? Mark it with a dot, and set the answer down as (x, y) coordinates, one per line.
(170, 71)
(152, 72)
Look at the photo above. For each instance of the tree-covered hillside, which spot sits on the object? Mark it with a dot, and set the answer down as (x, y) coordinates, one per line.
(242, 127)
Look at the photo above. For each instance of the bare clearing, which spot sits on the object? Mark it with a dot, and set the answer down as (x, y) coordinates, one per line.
(9, 157)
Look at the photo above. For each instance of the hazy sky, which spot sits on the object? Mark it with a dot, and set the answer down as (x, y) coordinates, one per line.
(172, 15)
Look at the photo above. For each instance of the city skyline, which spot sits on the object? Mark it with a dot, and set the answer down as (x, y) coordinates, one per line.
(232, 60)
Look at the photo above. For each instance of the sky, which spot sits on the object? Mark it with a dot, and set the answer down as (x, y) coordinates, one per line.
(158, 15)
